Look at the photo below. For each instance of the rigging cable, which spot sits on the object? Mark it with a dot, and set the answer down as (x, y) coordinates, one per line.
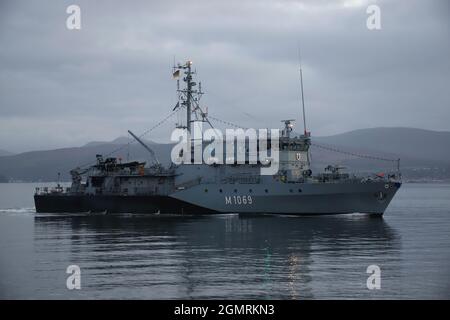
(365, 156)
(133, 141)
(237, 126)
(226, 122)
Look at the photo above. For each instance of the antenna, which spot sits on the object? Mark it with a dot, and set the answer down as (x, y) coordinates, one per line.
(301, 86)
(308, 156)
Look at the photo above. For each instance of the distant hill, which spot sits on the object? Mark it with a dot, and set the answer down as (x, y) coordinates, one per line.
(45, 165)
(117, 141)
(424, 154)
(5, 153)
(408, 142)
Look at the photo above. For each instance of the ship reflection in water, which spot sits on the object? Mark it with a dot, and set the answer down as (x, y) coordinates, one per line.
(224, 256)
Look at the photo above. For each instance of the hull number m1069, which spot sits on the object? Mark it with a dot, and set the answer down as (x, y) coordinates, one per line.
(238, 200)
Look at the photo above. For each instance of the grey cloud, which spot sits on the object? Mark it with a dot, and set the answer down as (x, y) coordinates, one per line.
(114, 74)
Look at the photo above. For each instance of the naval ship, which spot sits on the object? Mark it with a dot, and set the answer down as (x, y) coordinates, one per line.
(110, 186)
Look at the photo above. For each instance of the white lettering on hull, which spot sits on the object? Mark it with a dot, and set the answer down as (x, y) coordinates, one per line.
(239, 200)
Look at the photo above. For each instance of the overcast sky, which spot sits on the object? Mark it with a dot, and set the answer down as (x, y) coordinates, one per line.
(61, 87)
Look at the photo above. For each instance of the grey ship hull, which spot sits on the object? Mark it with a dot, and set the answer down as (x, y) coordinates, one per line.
(66, 203)
(295, 198)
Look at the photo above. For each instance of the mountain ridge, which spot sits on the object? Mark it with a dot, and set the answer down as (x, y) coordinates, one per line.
(423, 153)
(5, 153)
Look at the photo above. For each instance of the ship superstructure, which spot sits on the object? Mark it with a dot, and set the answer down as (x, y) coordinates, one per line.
(197, 188)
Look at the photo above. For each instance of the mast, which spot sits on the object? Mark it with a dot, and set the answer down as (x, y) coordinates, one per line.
(189, 97)
(186, 94)
(188, 80)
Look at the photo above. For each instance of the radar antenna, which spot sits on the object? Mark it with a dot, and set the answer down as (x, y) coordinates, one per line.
(288, 126)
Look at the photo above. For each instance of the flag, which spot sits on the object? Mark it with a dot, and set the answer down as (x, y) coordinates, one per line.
(176, 106)
(176, 74)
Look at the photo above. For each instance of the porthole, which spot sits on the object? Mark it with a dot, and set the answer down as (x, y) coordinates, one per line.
(206, 190)
(266, 190)
(220, 190)
(235, 190)
(299, 190)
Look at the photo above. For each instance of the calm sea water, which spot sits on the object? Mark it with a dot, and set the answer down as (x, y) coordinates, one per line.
(227, 256)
